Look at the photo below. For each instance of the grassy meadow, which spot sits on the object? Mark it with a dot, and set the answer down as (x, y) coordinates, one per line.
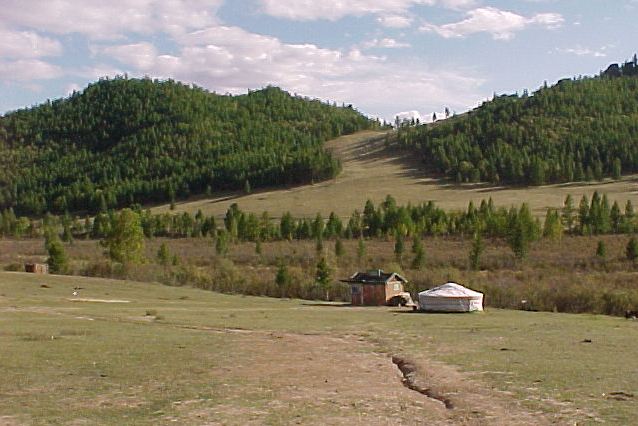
(372, 170)
(135, 353)
(563, 276)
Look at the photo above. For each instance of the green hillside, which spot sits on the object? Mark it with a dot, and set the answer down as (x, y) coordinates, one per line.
(584, 128)
(124, 141)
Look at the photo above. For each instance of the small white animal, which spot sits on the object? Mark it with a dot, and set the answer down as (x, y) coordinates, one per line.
(75, 293)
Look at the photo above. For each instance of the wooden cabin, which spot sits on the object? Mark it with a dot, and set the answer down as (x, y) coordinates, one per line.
(375, 288)
(36, 268)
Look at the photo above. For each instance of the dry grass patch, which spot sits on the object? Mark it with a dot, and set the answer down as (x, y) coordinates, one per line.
(371, 171)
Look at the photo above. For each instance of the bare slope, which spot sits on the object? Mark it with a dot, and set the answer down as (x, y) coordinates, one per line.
(371, 171)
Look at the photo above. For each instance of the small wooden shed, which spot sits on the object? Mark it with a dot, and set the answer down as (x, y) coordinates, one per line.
(375, 288)
(36, 268)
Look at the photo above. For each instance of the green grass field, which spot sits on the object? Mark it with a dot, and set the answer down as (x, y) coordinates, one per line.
(135, 353)
(372, 171)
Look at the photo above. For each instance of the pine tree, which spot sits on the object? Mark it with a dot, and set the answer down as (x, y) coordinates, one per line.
(67, 235)
(57, 260)
(583, 215)
(617, 169)
(339, 250)
(322, 276)
(601, 250)
(553, 228)
(282, 279)
(628, 220)
(418, 261)
(567, 215)
(163, 255)
(398, 248)
(522, 230)
(319, 245)
(476, 251)
(361, 250)
(632, 249)
(615, 217)
(221, 243)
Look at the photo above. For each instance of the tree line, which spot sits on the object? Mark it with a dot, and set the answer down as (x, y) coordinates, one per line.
(516, 225)
(133, 141)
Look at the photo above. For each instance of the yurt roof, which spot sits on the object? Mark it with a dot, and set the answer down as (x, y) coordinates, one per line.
(451, 290)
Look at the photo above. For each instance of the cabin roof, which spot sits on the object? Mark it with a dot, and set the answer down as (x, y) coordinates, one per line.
(374, 277)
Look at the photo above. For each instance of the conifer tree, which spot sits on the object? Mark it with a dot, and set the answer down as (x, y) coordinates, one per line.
(339, 250)
(631, 250)
(567, 215)
(322, 276)
(58, 261)
(476, 251)
(418, 261)
(553, 228)
(601, 250)
(282, 279)
(398, 248)
(221, 243)
(361, 250)
(163, 255)
(583, 215)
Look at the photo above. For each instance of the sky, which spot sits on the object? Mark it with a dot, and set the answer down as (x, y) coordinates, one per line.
(385, 57)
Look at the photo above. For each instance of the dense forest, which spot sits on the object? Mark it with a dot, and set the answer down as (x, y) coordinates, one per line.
(132, 141)
(579, 129)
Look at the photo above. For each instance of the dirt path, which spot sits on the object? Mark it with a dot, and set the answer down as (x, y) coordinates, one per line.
(320, 379)
(371, 171)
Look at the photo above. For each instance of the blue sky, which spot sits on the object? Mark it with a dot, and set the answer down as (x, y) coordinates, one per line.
(383, 56)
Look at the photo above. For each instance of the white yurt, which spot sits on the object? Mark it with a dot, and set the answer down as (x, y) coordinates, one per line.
(450, 297)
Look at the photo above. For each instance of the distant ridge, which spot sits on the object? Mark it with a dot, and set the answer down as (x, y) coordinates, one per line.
(580, 129)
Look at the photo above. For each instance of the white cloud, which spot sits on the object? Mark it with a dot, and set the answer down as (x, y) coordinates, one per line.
(585, 51)
(308, 10)
(408, 116)
(25, 70)
(384, 43)
(139, 55)
(230, 59)
(501, 24)
(459, 4)
(27, 44)
(394, 21)
(106, 20)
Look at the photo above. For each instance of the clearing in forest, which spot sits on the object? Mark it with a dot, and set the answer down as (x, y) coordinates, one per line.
(372, 170)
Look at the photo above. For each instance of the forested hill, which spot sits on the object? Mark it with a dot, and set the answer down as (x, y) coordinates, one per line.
(579, 129)
(123, 141)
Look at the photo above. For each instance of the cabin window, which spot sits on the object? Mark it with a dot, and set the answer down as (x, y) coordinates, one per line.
(355, 289)
(397, 287)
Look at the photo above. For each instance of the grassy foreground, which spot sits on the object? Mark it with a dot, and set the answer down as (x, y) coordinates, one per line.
(133, 353)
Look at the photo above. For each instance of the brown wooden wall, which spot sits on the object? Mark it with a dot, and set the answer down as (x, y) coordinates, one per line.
(36, 268)
(374, 295)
